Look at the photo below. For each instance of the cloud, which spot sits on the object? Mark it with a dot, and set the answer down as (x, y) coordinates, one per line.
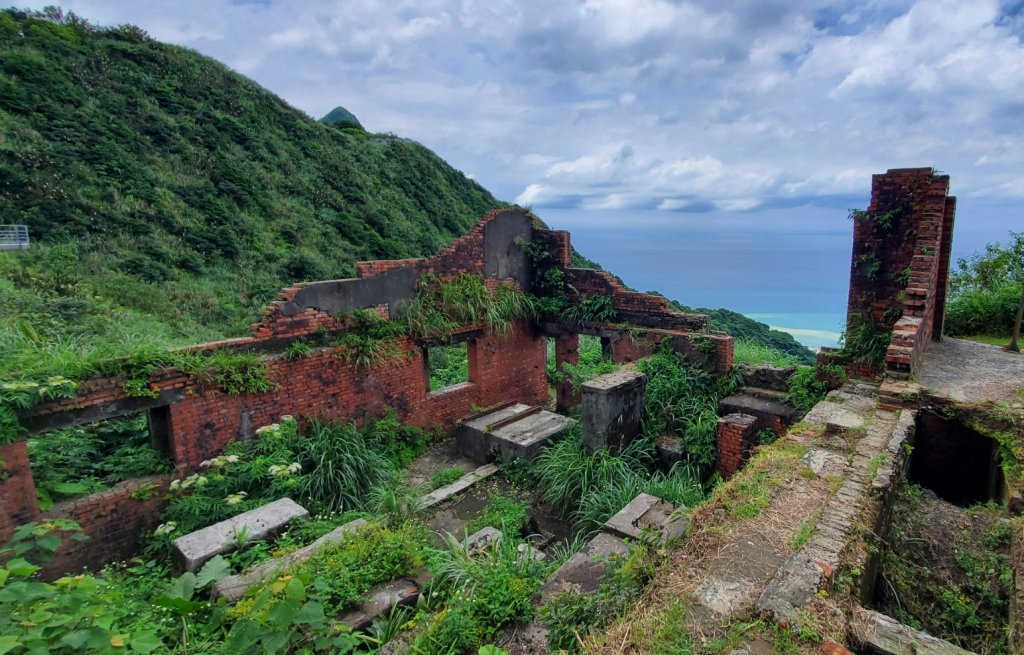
(679, 105)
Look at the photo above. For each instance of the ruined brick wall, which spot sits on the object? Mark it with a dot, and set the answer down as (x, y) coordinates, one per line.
(736, 437)
(203, 420)
(900, 262)
(114, 520)
(507, 367)
(17, 492)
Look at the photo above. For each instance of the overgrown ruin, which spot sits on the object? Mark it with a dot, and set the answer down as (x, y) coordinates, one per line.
(800, 531)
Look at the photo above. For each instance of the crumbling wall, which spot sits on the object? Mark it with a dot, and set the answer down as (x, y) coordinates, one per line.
(899, 266)
(201, 419)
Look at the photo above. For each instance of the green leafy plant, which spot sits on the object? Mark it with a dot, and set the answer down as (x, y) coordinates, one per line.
(804, 389)
(297, 349)
(445, 477)
(504, 513)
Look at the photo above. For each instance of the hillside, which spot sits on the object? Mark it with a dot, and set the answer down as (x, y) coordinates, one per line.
(169, 198)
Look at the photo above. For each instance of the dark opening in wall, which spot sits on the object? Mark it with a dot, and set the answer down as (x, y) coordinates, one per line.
(447, 365)
(954, 461)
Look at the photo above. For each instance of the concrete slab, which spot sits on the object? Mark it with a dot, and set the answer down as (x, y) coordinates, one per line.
(516, 431)
(763, 408)
(193, 550)
(647, 516)
(824, 462)
(442, 494)
(234, 587)
(381, 599)
(582, 572)
(966, 371)
(883, 634)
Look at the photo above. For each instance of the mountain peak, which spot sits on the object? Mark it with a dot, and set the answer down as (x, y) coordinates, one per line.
(342, 118)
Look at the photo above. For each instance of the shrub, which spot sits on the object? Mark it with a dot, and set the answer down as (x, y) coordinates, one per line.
(804, 389)
(503, 513)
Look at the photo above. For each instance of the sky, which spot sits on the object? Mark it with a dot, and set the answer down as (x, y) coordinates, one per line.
(654, 108)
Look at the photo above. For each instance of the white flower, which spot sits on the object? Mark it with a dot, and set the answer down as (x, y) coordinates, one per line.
(175, 485)
(287, 418)
(276, 469)
(235, 498)
(231, 459)
(294, 467)
(165, 528)
(201, 480)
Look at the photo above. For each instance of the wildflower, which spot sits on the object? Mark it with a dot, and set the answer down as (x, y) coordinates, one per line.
(175, 485)
(165, 528)
(235, 498)
(294, 467)
(231, 459)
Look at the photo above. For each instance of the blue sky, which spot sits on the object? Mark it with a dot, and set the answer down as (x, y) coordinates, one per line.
(667, 106)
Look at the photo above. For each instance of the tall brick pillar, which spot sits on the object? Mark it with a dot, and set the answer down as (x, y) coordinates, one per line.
(567, 351)
(18, 502)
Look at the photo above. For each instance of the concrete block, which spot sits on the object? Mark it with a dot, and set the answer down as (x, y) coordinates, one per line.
(516, 431)
(196, 548)
(234, 587)
(381, 599)
(613, 409)
(582, 572)
(442, 494)
(483, 539)
(647, 516)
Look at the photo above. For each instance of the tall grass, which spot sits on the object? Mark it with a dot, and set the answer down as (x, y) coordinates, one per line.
(342, 466)
(752, 352)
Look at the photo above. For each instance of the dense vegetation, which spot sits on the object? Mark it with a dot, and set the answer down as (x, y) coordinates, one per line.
(754, 333)
(985, 290)
(179, 220)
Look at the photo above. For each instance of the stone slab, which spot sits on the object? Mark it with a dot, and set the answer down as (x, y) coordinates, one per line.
(762, 408)
(442, 494)
(381, 599)
(234, 587)
(646, 514)
(196, 548)
(498, 432)
(883, 634)
(582, 572)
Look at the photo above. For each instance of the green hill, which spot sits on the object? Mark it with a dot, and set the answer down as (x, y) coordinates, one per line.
(169, 198)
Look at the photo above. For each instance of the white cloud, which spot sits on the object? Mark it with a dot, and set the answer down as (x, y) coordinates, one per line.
(679, 105)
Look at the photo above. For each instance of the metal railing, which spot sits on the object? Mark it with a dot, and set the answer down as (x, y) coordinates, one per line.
(13, 237)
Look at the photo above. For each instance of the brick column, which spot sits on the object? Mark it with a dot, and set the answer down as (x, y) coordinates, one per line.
(567, 350)
(736, 435)
(18, 503)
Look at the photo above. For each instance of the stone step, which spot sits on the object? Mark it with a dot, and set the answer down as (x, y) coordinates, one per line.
(764, 409)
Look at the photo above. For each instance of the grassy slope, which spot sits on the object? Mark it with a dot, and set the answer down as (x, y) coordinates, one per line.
(170, 198)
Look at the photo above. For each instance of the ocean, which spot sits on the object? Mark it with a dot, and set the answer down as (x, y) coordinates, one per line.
(788, 268)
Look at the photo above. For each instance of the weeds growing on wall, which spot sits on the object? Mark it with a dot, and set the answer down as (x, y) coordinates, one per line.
(863, 341)
(442, 305)
(85, 459)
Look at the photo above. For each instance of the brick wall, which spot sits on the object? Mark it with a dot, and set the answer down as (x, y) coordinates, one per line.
(736, 437)
(203, 420)
(898, 274)
(114, 520)
(17, 492)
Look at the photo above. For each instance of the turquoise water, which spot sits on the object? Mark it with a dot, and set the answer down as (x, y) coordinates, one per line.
(812, 330)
